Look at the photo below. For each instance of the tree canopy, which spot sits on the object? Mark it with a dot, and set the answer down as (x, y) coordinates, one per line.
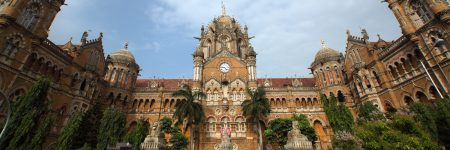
(112, 128)
(29, 112)
(138, 134)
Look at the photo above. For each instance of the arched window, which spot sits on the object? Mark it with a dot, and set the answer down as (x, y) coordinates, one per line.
(422, 97)
(83, 85)
(356, 55)
(433, 92)
(321, 132)
(340, 96)
(377, 78)
(408, 100)
(209, 48)
(336, 70)
(241, 127)
(211, 127)
(31, 60)
(393, 72)
(420, 11)
(323, 76)
(14, 96)
(13, 44)
(127, 76)
(225, 122)
(113, 75)
(119, 78)
(30, 16)
(239, 45)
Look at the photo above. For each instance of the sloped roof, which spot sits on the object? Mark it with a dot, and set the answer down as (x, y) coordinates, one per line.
(166, 83)
(282, 82)
(274, 82)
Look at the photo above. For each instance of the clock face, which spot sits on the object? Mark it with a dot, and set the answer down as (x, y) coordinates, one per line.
(224, 67)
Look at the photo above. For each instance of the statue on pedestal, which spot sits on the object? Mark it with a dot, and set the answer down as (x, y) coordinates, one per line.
(155, 139)
(296, 140)
(225, 133)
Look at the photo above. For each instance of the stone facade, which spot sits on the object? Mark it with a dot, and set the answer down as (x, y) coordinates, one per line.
(388, 73)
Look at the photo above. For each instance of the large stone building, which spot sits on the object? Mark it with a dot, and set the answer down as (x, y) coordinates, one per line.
(392, 74)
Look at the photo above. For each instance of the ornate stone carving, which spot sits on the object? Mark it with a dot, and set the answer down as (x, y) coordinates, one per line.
(225, 143)
(155, 139)
(296, 140)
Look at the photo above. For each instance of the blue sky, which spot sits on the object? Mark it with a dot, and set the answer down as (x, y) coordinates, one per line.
(160, 32)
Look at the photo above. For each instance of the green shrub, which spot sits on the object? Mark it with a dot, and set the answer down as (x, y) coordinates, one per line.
(277, 131)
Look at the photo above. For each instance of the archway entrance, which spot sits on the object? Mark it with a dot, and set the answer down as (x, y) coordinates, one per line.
(408, 100)
(422, 97)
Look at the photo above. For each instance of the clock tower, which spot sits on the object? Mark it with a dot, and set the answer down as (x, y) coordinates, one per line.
(224, 68)
(224, 54)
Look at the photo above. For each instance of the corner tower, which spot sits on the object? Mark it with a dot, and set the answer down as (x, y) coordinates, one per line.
(122, 72)
(328, 71)
(36, 16)
(414, 14)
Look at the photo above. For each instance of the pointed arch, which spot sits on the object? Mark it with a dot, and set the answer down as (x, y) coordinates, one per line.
(29, 18)
(408, 100)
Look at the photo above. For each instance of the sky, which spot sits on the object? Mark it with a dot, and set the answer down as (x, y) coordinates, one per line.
(160, 32)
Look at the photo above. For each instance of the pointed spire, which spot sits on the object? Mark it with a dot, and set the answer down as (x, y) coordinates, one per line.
(379, 37)
(322, 43)
(126, 45)
(349, 33)
(224, 11)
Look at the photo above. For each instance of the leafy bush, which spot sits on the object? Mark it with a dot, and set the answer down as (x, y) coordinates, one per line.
(305, 127)
(41, 133)
(166, 124)
(369, 112)
(66, 139)
(341, 120)
(138, 134)
(88, 131)
(339, 116)
(112, 127)
(401, 133)
(277, 131)
(424, 114)
(443, 120)
(178, 141)
(344, 140)
(27, 112)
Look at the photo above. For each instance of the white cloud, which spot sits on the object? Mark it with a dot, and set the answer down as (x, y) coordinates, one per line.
(288, 32)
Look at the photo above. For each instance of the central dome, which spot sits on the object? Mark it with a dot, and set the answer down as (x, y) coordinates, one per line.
(326, 54)
(123, 54)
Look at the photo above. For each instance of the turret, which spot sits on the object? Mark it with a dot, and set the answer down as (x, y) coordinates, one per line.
(327, 67)
(33, 15)
(223, 34)
(121, 76)
(414, 14)
(198, 68)
(251, 67)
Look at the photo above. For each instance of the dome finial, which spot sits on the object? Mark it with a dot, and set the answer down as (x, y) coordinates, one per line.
(126, 45)
(224, 11)
(322, 42)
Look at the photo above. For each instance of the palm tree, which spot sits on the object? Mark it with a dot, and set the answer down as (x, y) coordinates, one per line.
(188, 109)
(257, 107)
